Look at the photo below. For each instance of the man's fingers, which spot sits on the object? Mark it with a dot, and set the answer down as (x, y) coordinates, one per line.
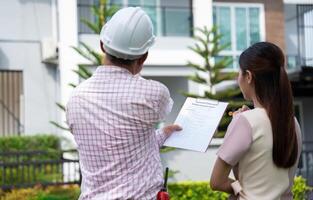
(172, 128)
(177, 127)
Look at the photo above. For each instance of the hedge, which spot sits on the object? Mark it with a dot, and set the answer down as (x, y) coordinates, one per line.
(202, 191)
(194, 191)
(48, 143)
(178, 191)
(33, 142)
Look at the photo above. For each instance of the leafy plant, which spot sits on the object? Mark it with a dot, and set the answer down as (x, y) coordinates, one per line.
(300, 189)
(194, 191)
(177, 191)
(16, 173)
(212, 72)
(101, 13)
(35, 142)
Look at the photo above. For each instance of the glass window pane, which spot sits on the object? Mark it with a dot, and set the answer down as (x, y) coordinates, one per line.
(236, 62)
(175, 3)
(133, 2)
(214, 15)
(152, 12)
(254, 25)
(219, 58)
(291, 62)
(241, 28)
(116, 2)
(149, 2)
(177, 22)
(224, 25)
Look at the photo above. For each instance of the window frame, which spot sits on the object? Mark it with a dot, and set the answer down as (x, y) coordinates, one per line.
(233, 52)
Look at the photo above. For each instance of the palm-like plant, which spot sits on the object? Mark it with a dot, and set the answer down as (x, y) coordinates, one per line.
(211, 72)
(101, 14)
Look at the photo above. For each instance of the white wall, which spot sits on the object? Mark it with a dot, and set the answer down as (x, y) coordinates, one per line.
(191, 165)
(68, 37)
(24, 23)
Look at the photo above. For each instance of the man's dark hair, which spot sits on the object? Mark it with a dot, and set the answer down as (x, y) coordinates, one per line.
(119, 61)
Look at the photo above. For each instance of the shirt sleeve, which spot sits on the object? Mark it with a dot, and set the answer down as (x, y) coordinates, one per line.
(161, 137)
(165, 103)
(237, 141)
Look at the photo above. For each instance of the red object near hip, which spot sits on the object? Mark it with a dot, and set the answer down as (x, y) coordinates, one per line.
(163, 194)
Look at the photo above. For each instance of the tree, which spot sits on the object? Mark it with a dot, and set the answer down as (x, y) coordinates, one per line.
(211, 72)
(101, 14)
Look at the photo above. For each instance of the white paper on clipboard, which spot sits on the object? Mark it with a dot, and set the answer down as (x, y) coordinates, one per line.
(199, 119)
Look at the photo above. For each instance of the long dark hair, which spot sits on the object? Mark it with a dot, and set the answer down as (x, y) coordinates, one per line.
(266, 62)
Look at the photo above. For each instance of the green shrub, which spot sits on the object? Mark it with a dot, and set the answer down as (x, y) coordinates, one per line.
(178, 191)
(194, 191)
(29, 143)
(70, 192)
(30, 174)
(202, 190)
(300, 188)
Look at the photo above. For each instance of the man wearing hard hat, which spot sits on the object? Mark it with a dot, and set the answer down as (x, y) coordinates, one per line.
(113, 114)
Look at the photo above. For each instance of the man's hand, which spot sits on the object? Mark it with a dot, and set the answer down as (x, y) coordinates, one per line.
(168, 130)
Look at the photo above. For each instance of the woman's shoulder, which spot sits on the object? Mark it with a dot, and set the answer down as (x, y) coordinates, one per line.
(254, 113)
(256, 117)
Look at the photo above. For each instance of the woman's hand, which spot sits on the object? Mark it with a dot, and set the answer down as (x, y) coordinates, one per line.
(240, 110)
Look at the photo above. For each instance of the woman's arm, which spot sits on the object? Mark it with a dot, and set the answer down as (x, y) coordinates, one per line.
(237, 142)
(219, 178)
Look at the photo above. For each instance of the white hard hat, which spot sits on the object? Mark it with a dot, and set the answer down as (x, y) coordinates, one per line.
(128, 34)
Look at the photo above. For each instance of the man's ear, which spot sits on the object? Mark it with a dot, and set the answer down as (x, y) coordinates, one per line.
(249, 76)
(142, 59)
(101, 46)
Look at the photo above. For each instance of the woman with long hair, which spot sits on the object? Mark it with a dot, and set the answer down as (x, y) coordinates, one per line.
(262, 145)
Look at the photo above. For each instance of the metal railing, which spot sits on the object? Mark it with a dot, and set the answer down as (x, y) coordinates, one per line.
(305, 167)
(30, 168)
(305, 33)
(164, 19)
(26, 169)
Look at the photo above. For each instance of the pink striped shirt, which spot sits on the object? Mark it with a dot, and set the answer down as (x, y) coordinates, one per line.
(112, 116)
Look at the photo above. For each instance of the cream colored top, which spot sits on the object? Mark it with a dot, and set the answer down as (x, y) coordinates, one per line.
(248, 148)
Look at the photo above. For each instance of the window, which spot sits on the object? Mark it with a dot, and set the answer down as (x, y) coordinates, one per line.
(11, 105)
(169, 18)
(241, 26)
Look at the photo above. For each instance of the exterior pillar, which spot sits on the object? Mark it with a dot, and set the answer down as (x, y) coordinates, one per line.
(68, 36)
(202, 13)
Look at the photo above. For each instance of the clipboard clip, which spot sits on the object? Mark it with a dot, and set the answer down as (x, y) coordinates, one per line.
(205, 102)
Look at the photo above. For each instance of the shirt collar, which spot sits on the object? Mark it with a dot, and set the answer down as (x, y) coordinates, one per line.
(104, 69)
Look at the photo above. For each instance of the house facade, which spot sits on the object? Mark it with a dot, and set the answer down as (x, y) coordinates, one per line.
(36, 58)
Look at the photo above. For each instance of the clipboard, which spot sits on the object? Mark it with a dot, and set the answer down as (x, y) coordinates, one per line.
(199, 119)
